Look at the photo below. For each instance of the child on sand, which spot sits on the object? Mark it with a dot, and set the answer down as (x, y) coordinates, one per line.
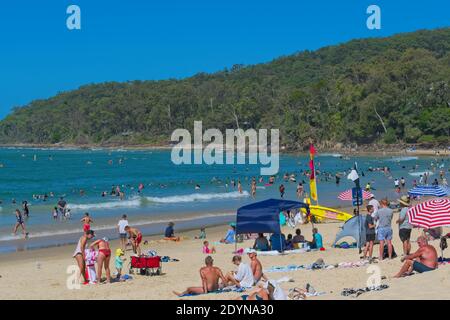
(118, 261)
(202, 234)
(90, 259)
(206, 249)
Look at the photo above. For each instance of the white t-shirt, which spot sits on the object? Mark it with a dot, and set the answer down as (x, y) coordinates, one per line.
(122, 224)
(375, 204)
(245, 276)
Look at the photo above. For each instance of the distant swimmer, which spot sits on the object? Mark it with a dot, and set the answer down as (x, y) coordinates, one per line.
(20, 223)
(26, 211)
(197, 187)
(239, 186)
(282, 190)
(62, 206)
(86, 220)
(300, 190)
(55, 213)
(141, 187)
(253, 188)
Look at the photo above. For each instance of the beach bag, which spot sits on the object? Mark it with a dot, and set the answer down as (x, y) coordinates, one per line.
(386, 252)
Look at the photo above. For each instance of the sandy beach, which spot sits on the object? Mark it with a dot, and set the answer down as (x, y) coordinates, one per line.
(42, 273)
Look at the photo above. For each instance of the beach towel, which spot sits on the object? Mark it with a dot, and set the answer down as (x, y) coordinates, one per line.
(223, 290)
(350, 292)
(277, 253)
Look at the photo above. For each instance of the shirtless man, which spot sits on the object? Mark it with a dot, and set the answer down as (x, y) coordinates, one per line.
(104, 256)
(423, 260)
(210, 276)
(136, 238)
(86, 220)
(79, 252)
(256, 267)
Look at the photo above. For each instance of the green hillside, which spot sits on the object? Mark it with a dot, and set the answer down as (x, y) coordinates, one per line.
(379, 90)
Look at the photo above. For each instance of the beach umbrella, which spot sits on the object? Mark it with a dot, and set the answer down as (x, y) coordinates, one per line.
(347, 195)
(430, 214)
(433, 191)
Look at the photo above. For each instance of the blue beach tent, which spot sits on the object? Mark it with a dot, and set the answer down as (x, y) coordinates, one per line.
(264, 216)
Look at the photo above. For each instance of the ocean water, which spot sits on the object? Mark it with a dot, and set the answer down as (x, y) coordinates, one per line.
(169, 193)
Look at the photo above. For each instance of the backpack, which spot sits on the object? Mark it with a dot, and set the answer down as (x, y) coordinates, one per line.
(386, 253)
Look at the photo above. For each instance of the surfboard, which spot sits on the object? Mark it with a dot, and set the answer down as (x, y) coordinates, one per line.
(329, 213)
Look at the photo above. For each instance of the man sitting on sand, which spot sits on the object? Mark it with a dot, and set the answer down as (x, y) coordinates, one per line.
(210, 276)
(256, 266)
(244, 275)
(423, 260)
(169, 233)
(136, 238)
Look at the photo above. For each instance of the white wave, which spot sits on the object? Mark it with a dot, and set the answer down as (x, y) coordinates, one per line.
(77, 230)
(335, 155)
(418, 174)
(198, 197)
(397, 159)
(134, 202)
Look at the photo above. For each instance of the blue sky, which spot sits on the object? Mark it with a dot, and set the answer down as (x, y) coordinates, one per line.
(159, 39)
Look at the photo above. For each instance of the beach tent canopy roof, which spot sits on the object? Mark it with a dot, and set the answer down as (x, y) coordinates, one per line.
(264, 216)
(354, 227)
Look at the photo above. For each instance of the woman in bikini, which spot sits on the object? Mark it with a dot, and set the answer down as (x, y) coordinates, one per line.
(104, 256)
(79, 252)
(20, 223)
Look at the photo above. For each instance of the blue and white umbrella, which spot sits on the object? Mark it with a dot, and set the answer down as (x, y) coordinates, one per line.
(432, 191)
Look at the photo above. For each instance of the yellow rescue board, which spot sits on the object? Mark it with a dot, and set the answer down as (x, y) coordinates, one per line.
(328, 213)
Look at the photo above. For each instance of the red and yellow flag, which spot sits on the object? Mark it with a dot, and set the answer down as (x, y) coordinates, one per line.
(312, 177)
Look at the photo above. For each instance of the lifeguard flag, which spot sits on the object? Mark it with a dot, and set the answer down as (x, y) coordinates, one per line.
(312, 177)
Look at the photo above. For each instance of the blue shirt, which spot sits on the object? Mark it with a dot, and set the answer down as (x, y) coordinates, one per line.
(282, 219)
(169, 232)
(229, 237)
(318, 240)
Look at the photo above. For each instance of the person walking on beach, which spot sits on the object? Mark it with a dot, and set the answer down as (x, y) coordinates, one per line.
(384, 217)
(210, 276)
(79, 254)
(20, 223)
(136, 238)
(404, 226)
(86, 220)
(123, 222)
(103, 259)
(370, 232)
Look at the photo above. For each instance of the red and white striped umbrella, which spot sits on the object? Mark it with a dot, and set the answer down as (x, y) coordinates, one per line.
(430, 214)
(347, 195)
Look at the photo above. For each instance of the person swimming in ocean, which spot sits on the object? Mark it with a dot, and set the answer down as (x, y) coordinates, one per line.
(26, 211)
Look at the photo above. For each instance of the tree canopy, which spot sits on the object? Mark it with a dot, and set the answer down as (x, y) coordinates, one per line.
(377, 90)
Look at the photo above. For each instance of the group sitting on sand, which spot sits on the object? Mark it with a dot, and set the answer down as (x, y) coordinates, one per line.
(246, 276)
